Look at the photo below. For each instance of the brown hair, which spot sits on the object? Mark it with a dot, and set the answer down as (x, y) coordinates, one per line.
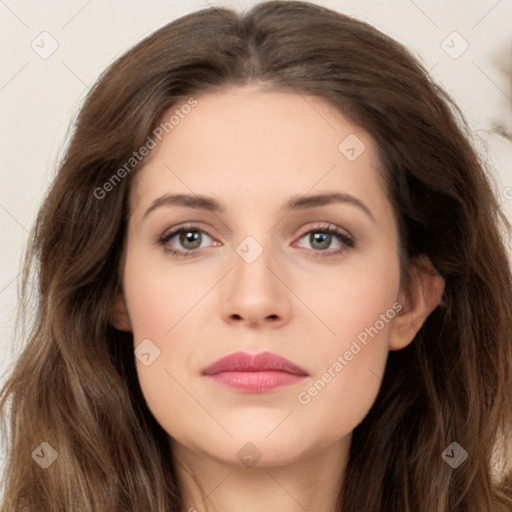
(75, 386)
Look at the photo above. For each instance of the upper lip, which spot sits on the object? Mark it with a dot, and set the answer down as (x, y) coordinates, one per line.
(244, 362)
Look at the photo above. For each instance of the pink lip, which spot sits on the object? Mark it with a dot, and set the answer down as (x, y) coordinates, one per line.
(255, 373)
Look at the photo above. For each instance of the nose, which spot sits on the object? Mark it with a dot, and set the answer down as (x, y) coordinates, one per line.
(256, 293)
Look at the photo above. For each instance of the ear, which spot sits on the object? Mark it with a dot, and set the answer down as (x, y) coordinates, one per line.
(418, 299)
(118, 315)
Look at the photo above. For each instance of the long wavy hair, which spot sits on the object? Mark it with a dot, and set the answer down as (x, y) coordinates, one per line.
(74, 385)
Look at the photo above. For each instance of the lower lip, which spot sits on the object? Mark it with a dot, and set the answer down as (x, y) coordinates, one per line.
(256, 382)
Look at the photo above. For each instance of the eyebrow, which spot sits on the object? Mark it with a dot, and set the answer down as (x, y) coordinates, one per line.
(202, 202)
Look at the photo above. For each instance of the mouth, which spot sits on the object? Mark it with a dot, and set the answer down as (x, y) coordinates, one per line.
(254, 373)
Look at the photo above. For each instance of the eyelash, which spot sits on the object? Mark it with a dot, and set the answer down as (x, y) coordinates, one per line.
(346, 240)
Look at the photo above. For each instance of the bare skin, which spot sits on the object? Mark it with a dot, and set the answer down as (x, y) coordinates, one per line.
(303, 298)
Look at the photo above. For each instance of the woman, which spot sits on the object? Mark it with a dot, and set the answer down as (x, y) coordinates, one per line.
(337, 334)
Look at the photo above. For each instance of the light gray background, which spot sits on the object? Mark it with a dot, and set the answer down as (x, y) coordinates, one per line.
(38, 97)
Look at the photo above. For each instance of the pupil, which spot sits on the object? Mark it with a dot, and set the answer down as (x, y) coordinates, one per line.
(323, 238)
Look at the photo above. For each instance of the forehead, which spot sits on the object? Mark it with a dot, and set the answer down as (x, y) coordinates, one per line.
(255, 147)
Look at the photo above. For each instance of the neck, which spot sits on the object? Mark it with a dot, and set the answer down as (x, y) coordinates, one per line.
(310, 482)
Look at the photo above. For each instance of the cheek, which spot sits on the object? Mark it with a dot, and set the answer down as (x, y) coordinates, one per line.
(353, 296)
(159, 296)
(350, 360)
(161, 304)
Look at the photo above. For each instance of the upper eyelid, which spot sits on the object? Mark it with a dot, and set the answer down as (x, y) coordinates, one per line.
(171, 232)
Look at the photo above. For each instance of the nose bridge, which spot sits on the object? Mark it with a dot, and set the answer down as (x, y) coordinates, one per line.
(254, 292)
(251, 273)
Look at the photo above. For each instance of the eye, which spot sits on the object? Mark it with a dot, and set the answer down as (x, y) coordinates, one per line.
(187, 238)
(322, 238)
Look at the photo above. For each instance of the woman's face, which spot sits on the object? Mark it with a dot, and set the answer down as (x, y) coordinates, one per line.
(260, 274)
